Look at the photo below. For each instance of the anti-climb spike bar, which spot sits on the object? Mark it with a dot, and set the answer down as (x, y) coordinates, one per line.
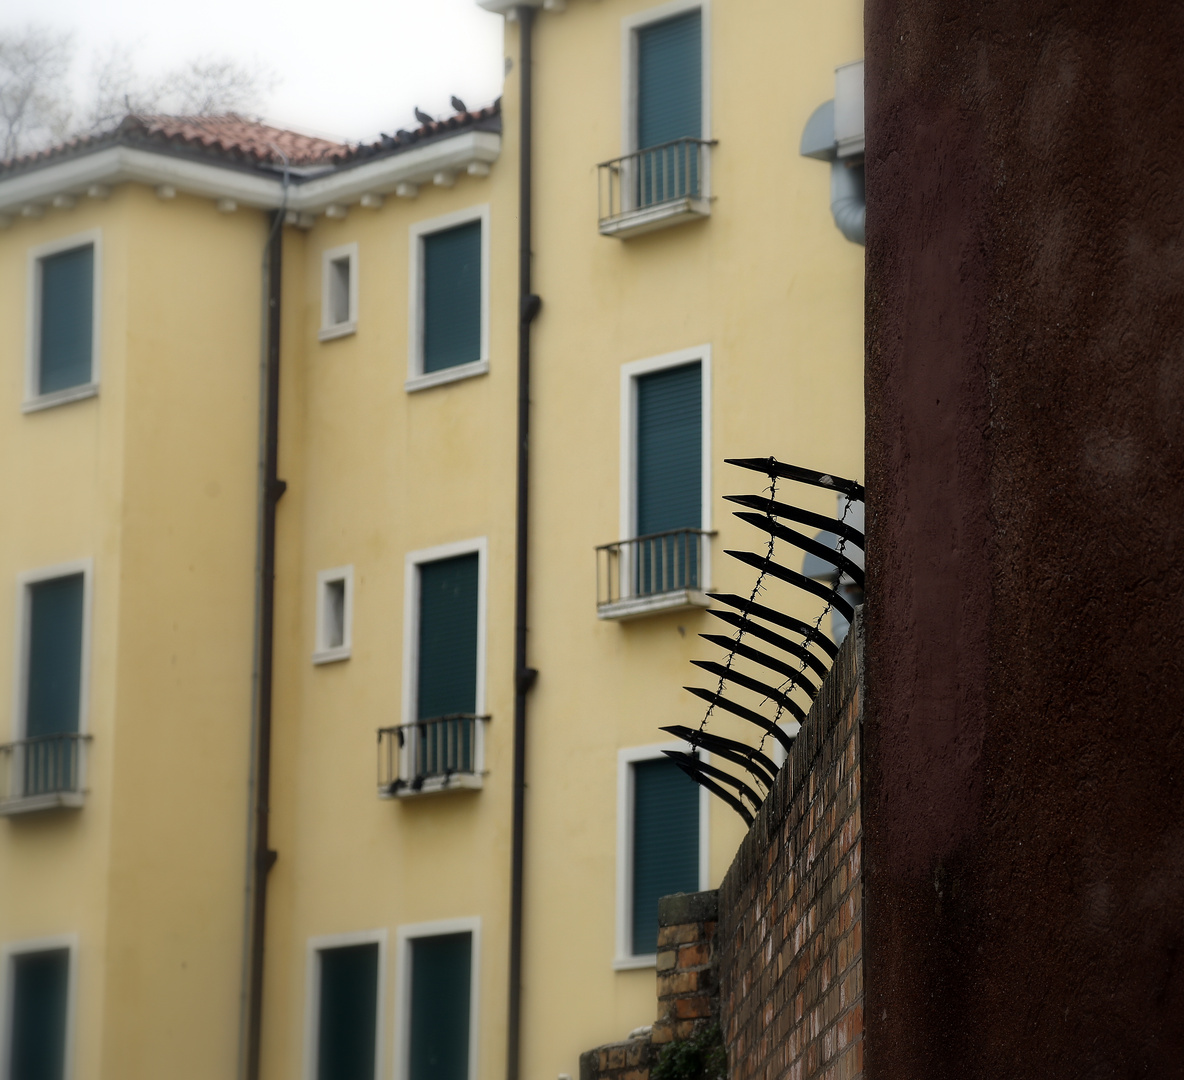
(823, 592)
(717, 774)
(763, 722)
(787, 671)
(772, 508)
(740, 753)
(716, 790)
(786, 657)
(852, 569)
(788, 622)
(756, 630)
(770, 466)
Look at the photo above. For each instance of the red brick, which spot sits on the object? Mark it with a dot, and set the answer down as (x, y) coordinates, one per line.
(691, 1007)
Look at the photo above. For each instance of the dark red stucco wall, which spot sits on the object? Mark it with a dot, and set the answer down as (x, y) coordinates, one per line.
(1024, 768)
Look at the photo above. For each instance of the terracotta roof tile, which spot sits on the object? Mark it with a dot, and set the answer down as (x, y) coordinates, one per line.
(238, 136)
(237, 139)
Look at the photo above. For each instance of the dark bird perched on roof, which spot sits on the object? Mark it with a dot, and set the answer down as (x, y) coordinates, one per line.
(404, 135)
(422, 116)
(458, 105)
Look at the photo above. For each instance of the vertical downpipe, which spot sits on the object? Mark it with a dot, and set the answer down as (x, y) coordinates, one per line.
(272, 489)
(524, 676)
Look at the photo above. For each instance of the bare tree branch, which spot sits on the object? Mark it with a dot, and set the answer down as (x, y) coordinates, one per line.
(35, 106)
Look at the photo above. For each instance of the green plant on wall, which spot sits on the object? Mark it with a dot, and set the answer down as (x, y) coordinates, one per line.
(701, 1057)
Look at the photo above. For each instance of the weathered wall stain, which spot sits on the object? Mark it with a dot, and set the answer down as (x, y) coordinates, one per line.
(1024, 843)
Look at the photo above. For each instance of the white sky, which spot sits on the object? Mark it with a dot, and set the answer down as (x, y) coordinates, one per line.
(347, 68)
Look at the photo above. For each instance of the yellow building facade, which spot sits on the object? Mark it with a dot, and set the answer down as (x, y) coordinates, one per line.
(697, 303)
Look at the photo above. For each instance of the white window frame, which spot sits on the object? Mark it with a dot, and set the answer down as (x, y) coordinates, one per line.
(34, 401)
(418, 231)
(24, 614)
(405, 934)
(312, 994)
(626, 759)
(330, 330)
(8, 953)
(630, 25)
(324, 653)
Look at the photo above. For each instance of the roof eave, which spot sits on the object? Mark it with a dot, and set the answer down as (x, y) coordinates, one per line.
(73, 175)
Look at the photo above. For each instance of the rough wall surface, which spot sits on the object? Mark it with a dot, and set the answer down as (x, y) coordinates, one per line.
(1024, 759)
(790, 907)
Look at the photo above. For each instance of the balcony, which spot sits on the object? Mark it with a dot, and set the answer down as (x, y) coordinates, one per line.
(664, 571)
(446, 753)
(655, 188)
(42, 773)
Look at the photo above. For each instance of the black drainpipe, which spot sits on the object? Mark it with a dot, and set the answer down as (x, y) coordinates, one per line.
(272, 490)
(528, 308)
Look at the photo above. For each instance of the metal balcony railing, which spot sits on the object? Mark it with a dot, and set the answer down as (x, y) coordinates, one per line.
(655, 186)
(41, 772)
(431, 755)
(665, 564)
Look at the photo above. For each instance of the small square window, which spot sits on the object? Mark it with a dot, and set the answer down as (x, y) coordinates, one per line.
(335, 603)
(339, 292)
(449, 298)
(63, 289)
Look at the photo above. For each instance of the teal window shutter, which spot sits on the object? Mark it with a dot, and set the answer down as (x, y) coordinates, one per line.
(347, 1025)
(441, 970)
(447, 676)
(447, 673)
(452, 297)
(669, 107)
(670, 80)
(66, 320)
(669, 477)
(665, 844)
(40, 985)
(54, 656)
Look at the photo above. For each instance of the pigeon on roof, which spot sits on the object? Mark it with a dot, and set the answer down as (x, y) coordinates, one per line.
(422, 116)
(458, 105)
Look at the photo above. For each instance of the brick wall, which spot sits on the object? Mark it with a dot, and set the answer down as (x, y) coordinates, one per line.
(688, 998)
(790, 929)
(776, 955)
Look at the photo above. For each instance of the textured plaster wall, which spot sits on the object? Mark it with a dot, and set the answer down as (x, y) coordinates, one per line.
(1025, 410)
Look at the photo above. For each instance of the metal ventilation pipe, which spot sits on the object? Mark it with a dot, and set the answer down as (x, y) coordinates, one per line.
(847, 202)
(834, 133)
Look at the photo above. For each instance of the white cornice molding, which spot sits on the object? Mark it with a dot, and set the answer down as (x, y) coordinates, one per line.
(416, 166)
(119, 164)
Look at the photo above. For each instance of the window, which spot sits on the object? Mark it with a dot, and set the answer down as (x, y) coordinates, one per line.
(444, 667)
(663, 176)
(339, 292)
(37, 1015)
(662, 562)
(449, 298)
(661, 845)
(46, 760)
(345, 1009)
(62, 340)
(335, 611)
(438, 981)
